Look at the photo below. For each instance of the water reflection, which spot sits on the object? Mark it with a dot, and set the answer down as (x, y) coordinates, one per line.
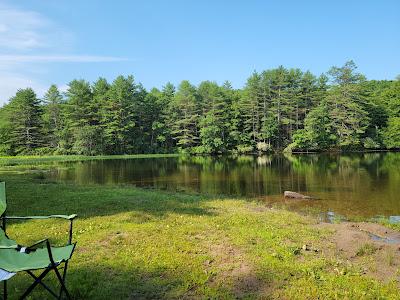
(366, 184)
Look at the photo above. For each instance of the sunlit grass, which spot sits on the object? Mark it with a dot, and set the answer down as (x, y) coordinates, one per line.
(34, 159)
(135, 243)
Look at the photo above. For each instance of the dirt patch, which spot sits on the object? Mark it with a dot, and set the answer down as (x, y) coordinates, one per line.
(373, 248)
(259, 209)
(115, 238)
(230, 269)
(233, 271)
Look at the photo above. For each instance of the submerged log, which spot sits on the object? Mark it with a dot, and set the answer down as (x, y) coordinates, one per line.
(294, 195)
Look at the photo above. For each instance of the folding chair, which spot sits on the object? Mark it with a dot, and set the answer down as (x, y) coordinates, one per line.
(15, 258)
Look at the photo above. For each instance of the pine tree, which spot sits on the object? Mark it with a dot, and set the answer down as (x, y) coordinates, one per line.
(157, 110)
(269, 125)
(119, 116)
(25, 119)
(250, 112)
(81, 134)
(99, 102)
(53, 119)
(164, 136)
(213, 130)
(185, 112)
(5, 131)
(345, 104)
(78, 106)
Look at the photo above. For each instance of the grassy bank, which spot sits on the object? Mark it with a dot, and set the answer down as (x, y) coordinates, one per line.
(27, 160)
(135, 244)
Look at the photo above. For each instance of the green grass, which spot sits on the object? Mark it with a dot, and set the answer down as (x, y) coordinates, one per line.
(366, 249)
(29, 160)
(135, 244)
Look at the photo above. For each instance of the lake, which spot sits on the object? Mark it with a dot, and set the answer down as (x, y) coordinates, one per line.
(346, 185)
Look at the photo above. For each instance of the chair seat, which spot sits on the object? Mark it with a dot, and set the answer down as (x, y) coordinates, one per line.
(12, 260)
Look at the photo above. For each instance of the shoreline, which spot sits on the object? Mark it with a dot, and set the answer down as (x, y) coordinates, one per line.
(74, 157)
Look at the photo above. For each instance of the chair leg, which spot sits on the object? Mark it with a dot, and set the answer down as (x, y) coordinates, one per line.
(5, 290)
(63, 278)
(35, 283)
(60, 279)
(42, 284)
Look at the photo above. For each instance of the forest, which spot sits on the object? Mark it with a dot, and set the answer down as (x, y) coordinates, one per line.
(277, 110)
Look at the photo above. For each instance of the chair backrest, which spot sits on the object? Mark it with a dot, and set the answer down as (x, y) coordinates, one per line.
(3, 202)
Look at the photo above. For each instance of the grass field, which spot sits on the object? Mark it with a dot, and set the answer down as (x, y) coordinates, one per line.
(148, 244)
(29, 160)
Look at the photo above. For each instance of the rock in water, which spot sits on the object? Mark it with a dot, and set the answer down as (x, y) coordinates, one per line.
(289, 194)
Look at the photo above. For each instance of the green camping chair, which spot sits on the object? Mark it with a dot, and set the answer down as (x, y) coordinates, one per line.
(14, 258)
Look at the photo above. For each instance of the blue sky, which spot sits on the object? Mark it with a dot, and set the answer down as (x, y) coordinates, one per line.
(46, 41)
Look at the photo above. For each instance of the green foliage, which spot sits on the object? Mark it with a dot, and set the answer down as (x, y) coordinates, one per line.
(317, 133)
(345, 105)
(213, 124)
(118, 118)
(277, 109)
(211, 135)
(391, 134)
(185, 116)
(87, 141)
(389, 96)
(370, 143)
(79, 97)
(52, 117)
(24, 118)
(5, 130)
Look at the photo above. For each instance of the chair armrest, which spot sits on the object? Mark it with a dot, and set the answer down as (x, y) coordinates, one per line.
(70, 218)
(4, 247)
(65, 217)
(24, 249)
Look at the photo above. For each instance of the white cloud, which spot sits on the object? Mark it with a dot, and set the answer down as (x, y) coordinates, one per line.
(24, 37)
(9, 59)
(20, 30)
(10, 83)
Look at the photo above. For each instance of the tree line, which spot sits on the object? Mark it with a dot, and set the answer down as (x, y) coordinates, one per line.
(277, 109)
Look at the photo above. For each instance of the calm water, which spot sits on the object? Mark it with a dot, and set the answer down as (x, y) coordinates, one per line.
(350, 185)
